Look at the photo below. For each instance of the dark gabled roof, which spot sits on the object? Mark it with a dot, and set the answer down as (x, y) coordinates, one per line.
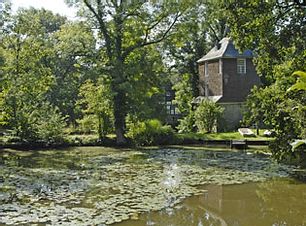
(226, 50)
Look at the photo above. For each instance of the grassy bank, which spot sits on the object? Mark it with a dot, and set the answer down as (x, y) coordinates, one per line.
(92, 140)
(223, 136)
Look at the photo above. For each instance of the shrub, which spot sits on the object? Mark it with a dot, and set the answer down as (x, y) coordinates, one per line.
(42, 124)
(206, 116)
(187, 123)
(149, 132)
(48, 124)
(88, 124)
(96, 107)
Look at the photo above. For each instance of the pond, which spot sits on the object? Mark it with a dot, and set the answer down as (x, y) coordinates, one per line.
(105, 186)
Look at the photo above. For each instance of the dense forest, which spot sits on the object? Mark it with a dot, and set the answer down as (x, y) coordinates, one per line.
(106, 72)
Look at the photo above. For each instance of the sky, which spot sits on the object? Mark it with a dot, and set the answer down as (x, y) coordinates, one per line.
(57, 6)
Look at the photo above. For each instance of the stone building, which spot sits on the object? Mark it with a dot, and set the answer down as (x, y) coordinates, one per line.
(226, 77)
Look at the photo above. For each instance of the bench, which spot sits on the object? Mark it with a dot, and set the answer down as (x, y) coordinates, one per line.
(246, 132)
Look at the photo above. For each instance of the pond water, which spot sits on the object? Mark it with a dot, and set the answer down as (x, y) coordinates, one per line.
(166, 187)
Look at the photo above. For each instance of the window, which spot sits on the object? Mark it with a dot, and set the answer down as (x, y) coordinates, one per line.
(172, 112)
(171, 108)
(241, 66)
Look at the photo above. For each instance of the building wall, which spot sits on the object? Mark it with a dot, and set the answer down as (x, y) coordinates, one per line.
(211, 82)
(233, 87)
(231, 117)
(201, 79)
(236, 87)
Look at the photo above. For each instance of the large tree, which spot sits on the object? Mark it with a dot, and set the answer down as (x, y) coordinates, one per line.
(125, 27)
(275, 30)
(26, 76)
(74, 55)
(200, 29)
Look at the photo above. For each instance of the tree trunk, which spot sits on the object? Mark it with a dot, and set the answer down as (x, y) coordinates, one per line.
(100, 127)
(119, 114)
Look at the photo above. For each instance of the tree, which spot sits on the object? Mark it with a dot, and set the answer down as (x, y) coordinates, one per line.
(201, 27)
(206, 116)
(27, 76)
(298, 86)
(183, 99)
(72, 63)
(96, 100)
(146, 78)
(275, 30)
(301, 81)
(125, 27)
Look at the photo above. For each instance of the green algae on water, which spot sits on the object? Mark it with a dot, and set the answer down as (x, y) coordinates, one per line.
(92, 186)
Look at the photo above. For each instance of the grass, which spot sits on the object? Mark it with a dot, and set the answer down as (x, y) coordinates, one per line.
(181, 139)
(223, 136)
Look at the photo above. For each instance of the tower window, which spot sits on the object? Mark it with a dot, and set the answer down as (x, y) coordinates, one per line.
(241, 66)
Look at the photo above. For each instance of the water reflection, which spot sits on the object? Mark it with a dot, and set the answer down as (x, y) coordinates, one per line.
(96, 186)
(277, 202)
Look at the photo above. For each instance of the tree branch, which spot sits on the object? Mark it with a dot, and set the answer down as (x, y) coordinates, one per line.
(99, 16)
(288, 8)
(214, 32)
(145, 42)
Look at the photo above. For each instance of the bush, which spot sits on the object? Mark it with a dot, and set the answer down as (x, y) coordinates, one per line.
(43, 124)
(186, 124)
(48, 124)
(88, 124)
(206, 116)
(149, 132)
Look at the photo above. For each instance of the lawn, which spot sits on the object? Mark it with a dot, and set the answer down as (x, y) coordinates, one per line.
(223, 136)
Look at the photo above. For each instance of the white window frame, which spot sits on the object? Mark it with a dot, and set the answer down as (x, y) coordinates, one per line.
(241, 66)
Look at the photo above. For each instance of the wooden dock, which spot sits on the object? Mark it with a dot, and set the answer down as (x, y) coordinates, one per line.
(235, 144)
(239, 144)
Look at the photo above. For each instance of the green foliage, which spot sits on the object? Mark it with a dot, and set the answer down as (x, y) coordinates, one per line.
(149, 132)
(73, 47)
(301, 81)
(44, 67)
(207, 115)
(279, 42)
(187, 123)
(48, 124)
(183, 94)
(276, 37)
(42, 124)
(125, 30)
(282, 111)
(183, 99)
(96, 105)
(27, 77)
(145, 79)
